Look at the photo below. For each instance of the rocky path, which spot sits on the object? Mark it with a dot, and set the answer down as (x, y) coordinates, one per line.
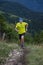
(17, 57)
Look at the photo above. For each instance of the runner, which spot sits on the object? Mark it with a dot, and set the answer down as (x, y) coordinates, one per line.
(21, 28)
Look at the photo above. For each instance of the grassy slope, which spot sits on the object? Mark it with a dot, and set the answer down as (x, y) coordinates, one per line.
(5, 48)
(35, 57)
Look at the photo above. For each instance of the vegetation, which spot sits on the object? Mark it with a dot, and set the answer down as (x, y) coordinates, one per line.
(11, 35)
(5, 49)
(35, 57)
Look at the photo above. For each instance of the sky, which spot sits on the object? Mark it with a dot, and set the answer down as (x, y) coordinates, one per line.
(35, 5)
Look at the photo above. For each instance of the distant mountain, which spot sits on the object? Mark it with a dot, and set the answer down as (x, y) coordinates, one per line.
(14, 8)
(21, 11)
(34, 5)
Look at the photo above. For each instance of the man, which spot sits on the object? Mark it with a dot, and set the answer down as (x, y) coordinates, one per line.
(21, 28)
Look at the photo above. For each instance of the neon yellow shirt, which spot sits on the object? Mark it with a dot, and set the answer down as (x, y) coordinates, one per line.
(21, 27)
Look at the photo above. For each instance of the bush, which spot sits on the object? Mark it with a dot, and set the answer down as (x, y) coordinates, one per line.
(28, 38)
(11, 34)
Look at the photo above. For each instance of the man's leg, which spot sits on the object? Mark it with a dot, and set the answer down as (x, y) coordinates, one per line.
(22, 41)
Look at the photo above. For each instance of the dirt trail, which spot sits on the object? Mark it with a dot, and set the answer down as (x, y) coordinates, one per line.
(17, 57)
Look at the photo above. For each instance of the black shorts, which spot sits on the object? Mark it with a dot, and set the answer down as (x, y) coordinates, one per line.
(21, 35)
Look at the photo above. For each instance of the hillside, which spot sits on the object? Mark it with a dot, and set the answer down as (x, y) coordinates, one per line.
(21, 11)
(34, 55)
(34, 5)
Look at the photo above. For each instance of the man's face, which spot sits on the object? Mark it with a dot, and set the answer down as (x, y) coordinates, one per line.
(20, 21)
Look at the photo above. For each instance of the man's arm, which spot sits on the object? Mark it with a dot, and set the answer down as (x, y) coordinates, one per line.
(16, 29)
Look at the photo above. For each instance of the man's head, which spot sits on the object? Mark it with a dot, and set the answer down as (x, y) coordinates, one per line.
(20, 20)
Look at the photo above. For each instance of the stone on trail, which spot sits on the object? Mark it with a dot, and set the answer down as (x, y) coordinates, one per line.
(15, 57)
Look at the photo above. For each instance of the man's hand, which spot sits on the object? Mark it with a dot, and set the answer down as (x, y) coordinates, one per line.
(16, 29)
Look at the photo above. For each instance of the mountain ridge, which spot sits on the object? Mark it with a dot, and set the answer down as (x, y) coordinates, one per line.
(21, 11)
(34, 5)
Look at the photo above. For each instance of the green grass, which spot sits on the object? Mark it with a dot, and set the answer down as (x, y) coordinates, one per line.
(35, 57)
(5, 48)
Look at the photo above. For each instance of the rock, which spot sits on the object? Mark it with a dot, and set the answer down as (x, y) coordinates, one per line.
(15, 57)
